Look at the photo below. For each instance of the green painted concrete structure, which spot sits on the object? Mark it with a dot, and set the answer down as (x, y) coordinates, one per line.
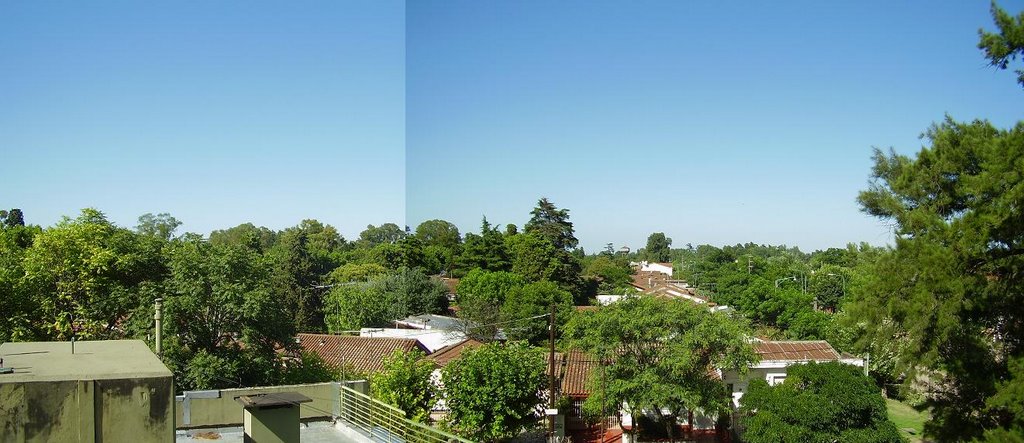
(272, 418)
(106, 391)
(218, 408)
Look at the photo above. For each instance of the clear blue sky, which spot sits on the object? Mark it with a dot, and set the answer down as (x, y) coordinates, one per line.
(714, 123)
(217, 112)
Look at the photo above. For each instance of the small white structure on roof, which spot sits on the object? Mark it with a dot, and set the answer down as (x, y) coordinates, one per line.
(430, 339)
(664, 268)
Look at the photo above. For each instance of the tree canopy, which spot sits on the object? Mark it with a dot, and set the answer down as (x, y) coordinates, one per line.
(658, 248)
(659, 354)
(552, 224)
(818, 402)
(491, 391)
(405, 383)
(953, 286)
(1006, 45)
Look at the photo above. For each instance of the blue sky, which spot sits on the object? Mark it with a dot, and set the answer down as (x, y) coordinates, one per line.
(219, 113)
(713, 122)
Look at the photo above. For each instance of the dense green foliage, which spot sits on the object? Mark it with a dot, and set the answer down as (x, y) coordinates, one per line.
(660, 354)
(825, 402)
(951, 291)
(658, 248)
(786, 293)
(1000, 48)
(381, 300)
(405, 383)
(492, 390)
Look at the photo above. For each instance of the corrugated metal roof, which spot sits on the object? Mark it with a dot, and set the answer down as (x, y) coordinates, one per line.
(796, 350)
(363, 354)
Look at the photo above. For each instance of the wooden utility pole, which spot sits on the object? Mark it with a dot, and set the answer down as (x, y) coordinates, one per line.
(551, 373)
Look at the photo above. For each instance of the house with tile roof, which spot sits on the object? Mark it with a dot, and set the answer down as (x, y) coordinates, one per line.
(576, 370)
(777, 356)
(364, 355)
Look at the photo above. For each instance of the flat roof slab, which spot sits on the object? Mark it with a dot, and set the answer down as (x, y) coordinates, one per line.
(92, 360)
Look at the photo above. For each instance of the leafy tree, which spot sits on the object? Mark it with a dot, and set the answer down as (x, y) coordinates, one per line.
(219, 300)
(485, 251)
(87, 276)
(405, 383)
(533, 257)
(384, 299)
(301, 258)
(481, 295)
(161, 226)
(356, 272)
(386, 233)
(248, 235)
(610, 273)
(661, 354)
(658, 248)
(492, 390)
(534, 300)
(438, 233)
(1008, 44)
(18, 307)
(953, 283)
(818, 402)
(552, 224)
(311, 368)
(12, 218)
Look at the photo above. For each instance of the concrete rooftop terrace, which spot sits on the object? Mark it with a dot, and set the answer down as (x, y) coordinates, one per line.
(312, 432)
(92, 360)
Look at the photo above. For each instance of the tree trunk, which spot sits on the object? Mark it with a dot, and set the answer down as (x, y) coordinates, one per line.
(667, 421)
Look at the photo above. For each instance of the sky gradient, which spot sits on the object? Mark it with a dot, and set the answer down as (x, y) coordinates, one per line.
(219, 113)
(713, 122)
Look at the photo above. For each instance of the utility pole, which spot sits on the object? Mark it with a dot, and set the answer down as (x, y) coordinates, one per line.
(551, 374)
(157, 317)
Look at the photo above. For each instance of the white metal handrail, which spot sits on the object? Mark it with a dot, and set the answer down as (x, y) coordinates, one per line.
(382, 422)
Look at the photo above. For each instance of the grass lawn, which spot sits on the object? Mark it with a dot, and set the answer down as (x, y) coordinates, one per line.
(906, 417)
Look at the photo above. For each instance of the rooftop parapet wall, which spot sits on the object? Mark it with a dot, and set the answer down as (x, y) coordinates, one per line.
(218, 408)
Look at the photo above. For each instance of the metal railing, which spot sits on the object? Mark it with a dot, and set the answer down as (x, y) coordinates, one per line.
(382, 422)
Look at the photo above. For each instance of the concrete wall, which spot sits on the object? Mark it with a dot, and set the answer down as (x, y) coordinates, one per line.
(138, 410)
(225, 411)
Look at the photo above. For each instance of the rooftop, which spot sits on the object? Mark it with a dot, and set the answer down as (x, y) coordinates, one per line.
(363, 354)
(818, 350)
(310, 432)
(92, 360)
(432, 321)
(453, 352)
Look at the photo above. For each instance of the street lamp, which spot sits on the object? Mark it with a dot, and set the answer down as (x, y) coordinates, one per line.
(793, 277)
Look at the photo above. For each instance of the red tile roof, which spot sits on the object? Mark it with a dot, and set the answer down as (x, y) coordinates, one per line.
(363, 354)
(452, 352)
(796, 350)
(645, 280)
(577, 370)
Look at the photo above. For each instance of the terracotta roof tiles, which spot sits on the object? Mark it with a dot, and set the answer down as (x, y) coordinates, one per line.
(796, 350)
(452, 352)
(363, 354)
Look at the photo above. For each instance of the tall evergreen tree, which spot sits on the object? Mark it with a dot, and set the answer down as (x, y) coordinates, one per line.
(552, 224)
